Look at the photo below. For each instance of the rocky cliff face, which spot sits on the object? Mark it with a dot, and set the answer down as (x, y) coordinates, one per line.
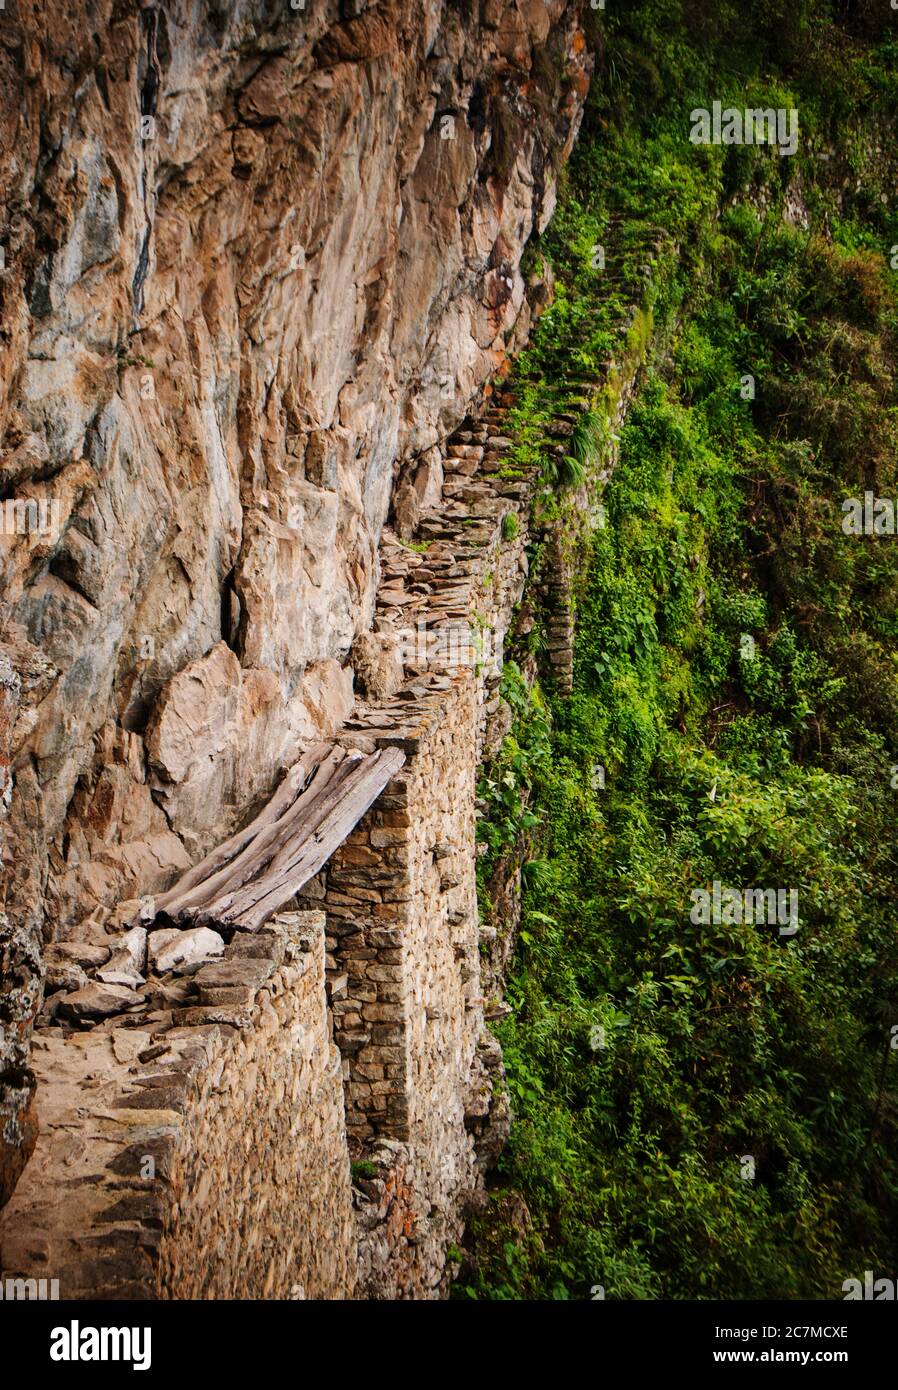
(257, 261)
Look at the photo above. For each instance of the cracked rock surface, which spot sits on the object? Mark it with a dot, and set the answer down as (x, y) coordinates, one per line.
(257, 262)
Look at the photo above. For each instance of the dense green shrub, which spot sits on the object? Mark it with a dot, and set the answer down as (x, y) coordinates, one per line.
(736, 684)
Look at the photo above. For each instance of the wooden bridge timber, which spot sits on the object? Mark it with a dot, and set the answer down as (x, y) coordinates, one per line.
(252, 875)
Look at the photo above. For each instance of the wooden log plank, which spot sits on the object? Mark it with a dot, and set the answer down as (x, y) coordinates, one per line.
(352, 790)
(267, 894)
(257, 870)
(321, 792)
(285, 795)
(263, 847)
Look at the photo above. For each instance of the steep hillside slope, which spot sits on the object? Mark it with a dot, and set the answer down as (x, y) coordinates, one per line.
(704, 1100)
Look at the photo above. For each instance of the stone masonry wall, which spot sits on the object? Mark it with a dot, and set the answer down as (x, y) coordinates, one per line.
(410, 1015)
(400, 895)
(209, 1157)
(261, 1178)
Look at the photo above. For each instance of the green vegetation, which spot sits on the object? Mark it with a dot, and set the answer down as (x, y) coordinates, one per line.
(735, 711)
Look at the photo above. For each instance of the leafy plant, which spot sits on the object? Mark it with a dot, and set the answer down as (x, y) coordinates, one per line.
(646, 1054)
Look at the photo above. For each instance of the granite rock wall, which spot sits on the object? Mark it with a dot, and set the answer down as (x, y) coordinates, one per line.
(256, 261)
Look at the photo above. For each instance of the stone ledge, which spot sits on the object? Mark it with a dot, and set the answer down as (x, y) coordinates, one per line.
(132, 1173)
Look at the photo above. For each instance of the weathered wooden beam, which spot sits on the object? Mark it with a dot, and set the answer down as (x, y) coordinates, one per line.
(268, 838)
(320, 794)
(301, 859)
(252, 875)
(218, 858)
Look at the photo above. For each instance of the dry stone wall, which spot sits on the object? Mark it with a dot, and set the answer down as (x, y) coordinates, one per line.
(261, 1179)
(199, 1152)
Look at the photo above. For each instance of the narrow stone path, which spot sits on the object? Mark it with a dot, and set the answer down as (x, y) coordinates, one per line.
(352, 1028)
